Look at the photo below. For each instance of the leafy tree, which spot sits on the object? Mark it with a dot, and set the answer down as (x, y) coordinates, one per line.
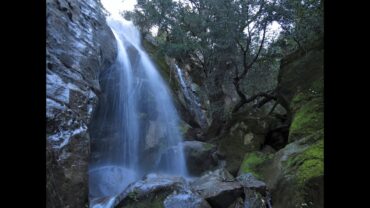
(302, 21)
(228, 35)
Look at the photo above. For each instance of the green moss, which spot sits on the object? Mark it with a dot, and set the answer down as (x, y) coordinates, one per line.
(317, 87)
(307, 119)
(251, 163)
(308, 164)
(155, 201)
(315, 90)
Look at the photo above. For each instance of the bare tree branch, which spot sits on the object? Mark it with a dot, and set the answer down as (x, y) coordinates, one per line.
(268, 96)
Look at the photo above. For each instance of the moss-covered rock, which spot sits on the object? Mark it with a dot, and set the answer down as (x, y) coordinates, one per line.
(252, 162)
(308, 164)
(199, 156)
(298, 71)
(295, 173)
(245, 133)
(233, 148)
(307, 119)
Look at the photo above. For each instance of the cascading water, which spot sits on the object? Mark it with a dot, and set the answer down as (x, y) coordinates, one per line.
(191, 100)
(135, 127)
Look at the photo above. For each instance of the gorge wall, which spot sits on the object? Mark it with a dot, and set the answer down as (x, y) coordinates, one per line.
(79, 46)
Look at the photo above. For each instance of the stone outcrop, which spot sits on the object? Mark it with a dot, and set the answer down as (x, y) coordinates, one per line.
(200, 156)
(295, 173)
(156, 190)
(79, 46)
(218, 187)
(185, 200)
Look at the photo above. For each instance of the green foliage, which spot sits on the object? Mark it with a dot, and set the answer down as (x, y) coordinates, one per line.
(212, 32)
(231, 35)
(302, 21)
(221, 31)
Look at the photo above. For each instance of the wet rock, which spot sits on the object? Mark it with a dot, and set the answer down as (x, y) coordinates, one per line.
(256, 194)
(219, 188)
(250, 182)
(185, 200)
(254, 199)
(199, 156)
(109, 180)
(79, 46)
(102, 202)
(151, 191)
(155, 132)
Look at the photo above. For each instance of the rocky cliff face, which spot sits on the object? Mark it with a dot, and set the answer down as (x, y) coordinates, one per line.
(79, 46)
(295, 173)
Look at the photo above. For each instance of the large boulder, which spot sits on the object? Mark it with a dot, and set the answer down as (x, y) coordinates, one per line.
(79, 46)
(298, 71)
(155, 190)
(256, 193)
(250, 182)
(151, 190)
(246, 132)
(295, 173)
(200, 156)
(218, 187)
(300, 165)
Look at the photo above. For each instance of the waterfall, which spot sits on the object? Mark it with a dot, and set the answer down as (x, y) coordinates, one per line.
(135, 127)
(191, 100)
